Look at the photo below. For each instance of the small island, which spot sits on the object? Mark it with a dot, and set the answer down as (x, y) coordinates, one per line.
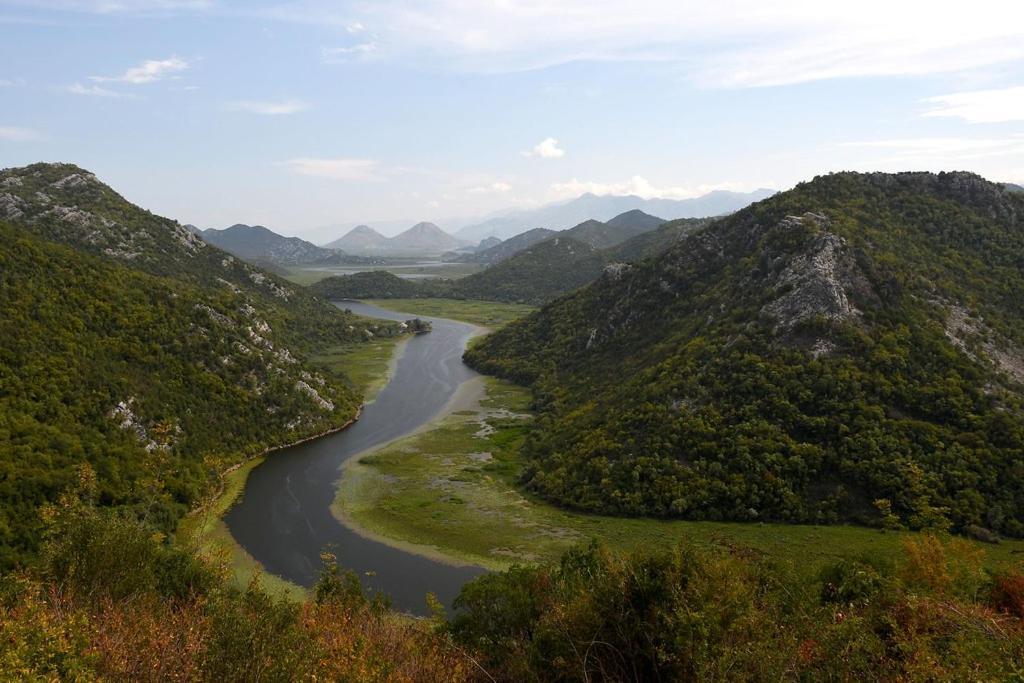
(416, 326)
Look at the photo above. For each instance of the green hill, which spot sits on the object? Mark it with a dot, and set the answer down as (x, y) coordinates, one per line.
(852, 349)
(535, 275)
(129, 344)
(372, 284)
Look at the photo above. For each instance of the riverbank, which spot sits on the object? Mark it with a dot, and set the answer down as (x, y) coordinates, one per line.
(486, 314)
(367, 368)
(450, 493)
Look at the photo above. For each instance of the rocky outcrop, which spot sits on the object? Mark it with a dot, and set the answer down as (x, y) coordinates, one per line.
(814, 282)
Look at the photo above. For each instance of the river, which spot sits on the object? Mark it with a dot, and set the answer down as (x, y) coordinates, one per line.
(284, 519)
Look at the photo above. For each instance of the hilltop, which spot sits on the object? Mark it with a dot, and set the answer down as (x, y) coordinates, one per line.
(257, 244)
(422, 239)
(131, 345)
(588, 206)
(849, 350)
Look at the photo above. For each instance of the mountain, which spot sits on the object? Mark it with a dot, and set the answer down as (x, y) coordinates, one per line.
(488, 243)
(1013, 188)
(129, 344)
(617, 230)
(635, 222)
(372, 284)
(535, 275)
(564, 215)
(255, 243)
(507, 248)
(850, 350)
(361, 240)
(423, 239)
(653, 242)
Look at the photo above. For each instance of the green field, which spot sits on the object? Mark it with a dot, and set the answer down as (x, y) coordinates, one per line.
(366, 367)
(490, 314)
(307, 276)
(450, 493)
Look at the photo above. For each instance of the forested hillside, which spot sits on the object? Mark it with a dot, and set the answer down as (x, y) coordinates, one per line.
(852, 349)
(129, 344)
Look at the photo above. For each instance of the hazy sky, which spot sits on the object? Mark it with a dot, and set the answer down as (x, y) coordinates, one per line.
(300, 115)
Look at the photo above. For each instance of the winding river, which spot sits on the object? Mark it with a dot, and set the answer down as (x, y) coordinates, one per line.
(284, 518)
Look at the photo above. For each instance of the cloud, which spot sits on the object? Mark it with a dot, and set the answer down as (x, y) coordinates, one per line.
(15, 134)
(547, 149)
(336, 169)
(641, 187)
(347, 53)
(980, 106)
(148, 72)
(270, 108)
(742, 43)
(499, 187)
(937, 152)
(117, 6)
(91, 91)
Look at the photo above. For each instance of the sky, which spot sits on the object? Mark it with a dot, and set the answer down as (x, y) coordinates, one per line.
(309, 115)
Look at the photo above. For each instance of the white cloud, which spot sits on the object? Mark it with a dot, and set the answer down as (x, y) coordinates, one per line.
(117, 6)
(641, 187)
(16, 134)
(270, 108)
(948, 149)
(980, 106)
(348, 53)
(336, 169)
(547, 149)
(148, 72)
(91, 91)
(741, 43)
(499, 187)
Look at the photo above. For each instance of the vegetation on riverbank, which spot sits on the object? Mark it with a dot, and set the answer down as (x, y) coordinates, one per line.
(111, 600)
(307, 276)
(453, 491)
(490, 314)
(366, 369)
(205, 533)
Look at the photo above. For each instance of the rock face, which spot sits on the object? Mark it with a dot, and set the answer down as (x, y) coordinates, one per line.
(813, 284)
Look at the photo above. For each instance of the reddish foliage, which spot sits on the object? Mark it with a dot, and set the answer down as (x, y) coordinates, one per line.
(1008, 594)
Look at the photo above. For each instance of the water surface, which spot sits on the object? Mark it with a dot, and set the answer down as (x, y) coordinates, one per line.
(283, 518)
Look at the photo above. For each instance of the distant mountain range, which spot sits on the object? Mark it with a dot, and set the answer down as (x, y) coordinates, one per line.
(422, 239)
(258, 244)
(602, 208)
(534, 267)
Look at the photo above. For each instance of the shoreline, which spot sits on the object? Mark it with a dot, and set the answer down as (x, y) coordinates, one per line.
(462, 400)
(256, 458)
(205, 523)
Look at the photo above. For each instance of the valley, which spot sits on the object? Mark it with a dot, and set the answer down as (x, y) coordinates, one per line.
(440, 490)
(532, 341)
